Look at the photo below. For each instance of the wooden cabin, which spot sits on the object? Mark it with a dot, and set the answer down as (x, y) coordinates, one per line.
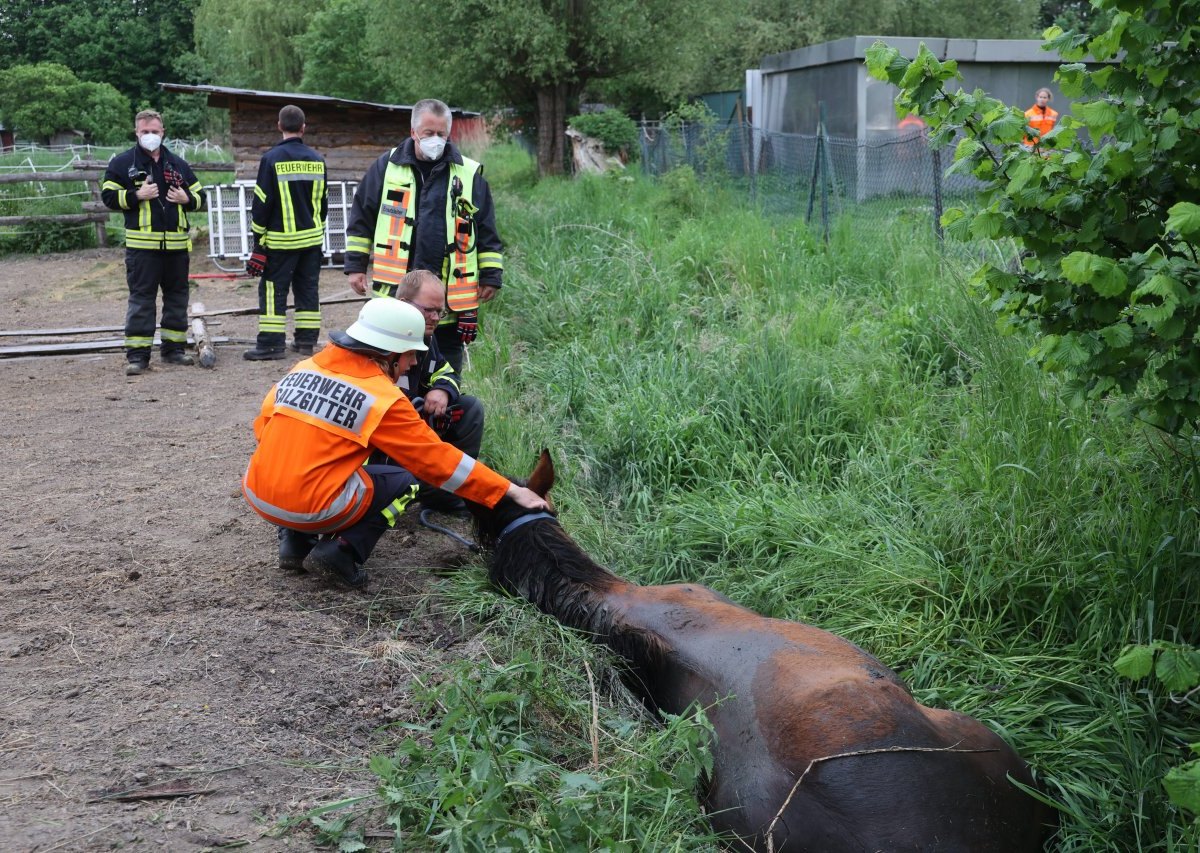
(351, 134)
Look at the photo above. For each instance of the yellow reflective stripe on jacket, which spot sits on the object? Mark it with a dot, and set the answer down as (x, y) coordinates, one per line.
(293, 236)
(392, 248)
(122, 193)
(393, 225)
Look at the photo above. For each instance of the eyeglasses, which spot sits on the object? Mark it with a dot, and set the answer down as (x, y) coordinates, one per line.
(433, 313)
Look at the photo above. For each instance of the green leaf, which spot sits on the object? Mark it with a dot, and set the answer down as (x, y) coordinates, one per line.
(1102, 274)
(573, 782)
(1176, 670)
(987, 224)
(885, 63)
(1099, 116)
(1118, 335)
(1182, 784)
(1184, 219)
(1135, 662)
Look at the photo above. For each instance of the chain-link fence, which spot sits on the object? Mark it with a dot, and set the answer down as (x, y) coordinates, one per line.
(821, 177)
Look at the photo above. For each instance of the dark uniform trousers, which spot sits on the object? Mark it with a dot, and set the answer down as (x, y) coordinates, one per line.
(466, 434)
(145, 271)
(300, 271)
(450, 343)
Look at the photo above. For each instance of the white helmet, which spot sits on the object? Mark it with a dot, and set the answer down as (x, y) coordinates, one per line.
(389, 325)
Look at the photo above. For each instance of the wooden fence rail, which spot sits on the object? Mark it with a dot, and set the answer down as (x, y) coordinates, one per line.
(94, 210)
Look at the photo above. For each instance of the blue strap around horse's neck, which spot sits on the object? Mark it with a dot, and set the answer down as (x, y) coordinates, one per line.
(524, 519)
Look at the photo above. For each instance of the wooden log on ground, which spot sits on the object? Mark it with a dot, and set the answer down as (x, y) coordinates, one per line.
(76, 347)
(232, 312)
(204, 348)
(74, 330)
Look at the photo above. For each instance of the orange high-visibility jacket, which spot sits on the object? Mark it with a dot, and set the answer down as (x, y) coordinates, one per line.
(1042, 122)
(317, 427)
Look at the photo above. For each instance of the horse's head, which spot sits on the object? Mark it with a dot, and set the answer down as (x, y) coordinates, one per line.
(490, 523)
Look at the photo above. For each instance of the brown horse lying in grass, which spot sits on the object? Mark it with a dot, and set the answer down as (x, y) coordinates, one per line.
(819, 746)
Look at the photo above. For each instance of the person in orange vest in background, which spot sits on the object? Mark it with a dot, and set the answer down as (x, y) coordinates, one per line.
(1040, 117)
(911, 123)
(319, 424)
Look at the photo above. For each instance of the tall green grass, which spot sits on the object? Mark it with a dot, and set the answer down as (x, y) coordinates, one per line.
(839, 435)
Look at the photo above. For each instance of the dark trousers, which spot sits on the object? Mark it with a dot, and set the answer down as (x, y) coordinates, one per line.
(451, 345)
(147, 270)
(298, 271)
(466, 434)
(395, 488)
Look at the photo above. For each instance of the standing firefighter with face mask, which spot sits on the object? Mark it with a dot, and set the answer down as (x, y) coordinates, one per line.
(322, 421)
(424, 206)
(155, 190)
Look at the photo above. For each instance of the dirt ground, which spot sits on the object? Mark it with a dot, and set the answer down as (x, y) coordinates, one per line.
(149, 643)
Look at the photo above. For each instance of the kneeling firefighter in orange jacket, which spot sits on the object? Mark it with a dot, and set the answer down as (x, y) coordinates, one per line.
(319, 424)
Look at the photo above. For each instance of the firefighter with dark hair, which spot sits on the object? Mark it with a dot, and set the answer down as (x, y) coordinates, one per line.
(156, 190)
(424, 206)
(287, 220)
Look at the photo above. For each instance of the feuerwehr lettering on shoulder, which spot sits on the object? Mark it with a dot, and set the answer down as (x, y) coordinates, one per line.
(324, 397)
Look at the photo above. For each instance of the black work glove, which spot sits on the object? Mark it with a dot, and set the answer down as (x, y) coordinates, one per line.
(468, 326)
(257, 263)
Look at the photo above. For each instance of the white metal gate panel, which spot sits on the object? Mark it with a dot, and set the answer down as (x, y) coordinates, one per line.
(229, 236)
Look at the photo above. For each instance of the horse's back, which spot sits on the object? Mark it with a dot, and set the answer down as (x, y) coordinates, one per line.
(807, 719)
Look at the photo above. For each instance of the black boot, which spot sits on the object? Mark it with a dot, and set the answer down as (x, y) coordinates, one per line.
(294, 547)
(257, 354)
(336, 557)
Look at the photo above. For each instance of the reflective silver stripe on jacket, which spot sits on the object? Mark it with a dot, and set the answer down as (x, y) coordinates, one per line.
(346, 505)
(465, 465)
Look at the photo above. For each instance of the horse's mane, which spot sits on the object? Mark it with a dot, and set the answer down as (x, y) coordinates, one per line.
(540, 562)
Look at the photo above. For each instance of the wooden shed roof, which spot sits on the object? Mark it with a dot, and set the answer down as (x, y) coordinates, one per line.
(226, 97)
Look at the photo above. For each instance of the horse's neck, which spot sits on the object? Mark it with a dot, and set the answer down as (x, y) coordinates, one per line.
(549, 569)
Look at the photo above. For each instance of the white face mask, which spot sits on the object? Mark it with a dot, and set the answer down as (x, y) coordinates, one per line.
(432, 146)
(150, 141)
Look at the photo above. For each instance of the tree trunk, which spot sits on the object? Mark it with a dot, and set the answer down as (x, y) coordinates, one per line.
(551, 124)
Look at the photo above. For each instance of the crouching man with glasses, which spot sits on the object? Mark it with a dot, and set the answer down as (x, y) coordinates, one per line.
(456, 417)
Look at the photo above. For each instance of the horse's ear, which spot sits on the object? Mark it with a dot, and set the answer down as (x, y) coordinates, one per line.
(542, 478)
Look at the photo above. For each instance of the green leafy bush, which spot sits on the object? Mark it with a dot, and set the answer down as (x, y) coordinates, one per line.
(1177, 668)
(481, 775)
(1111, 277)
(41, 100)
(617, 131)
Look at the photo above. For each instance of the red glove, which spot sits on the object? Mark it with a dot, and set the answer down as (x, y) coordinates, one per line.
(441, 423)
(257, 262)
(468, 326)
(173, 177)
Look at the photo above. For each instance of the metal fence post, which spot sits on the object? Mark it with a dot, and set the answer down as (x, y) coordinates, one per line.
(935, 156)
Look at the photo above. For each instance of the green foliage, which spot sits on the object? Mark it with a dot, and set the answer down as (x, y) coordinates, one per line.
(40, 100)
(482, 775)
(840, 436)
(256, 45)
(1111, 280)
(617, 131)
(1177, 668)
(129, 45)
(334, 65)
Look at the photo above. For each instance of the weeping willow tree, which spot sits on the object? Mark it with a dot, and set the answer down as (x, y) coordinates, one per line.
(253, 44)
